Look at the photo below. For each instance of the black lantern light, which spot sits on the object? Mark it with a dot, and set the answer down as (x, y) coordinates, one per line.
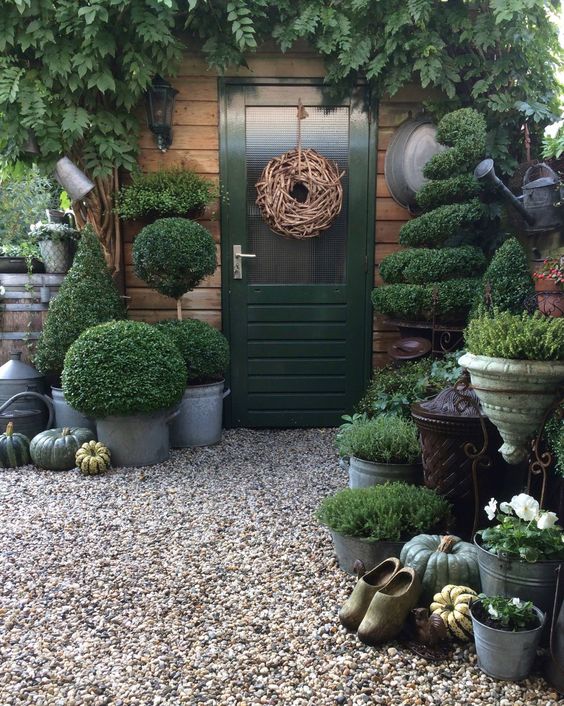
(160, 105)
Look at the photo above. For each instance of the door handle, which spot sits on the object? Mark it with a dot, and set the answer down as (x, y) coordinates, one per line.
(237, 261)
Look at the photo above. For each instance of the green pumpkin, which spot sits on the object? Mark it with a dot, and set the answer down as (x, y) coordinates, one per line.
(55, 449)
(441, 560)
(14, 448)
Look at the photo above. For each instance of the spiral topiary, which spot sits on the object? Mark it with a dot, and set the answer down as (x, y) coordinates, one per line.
(204, 349)
(434, 276)
(123, 368)
(173, 255)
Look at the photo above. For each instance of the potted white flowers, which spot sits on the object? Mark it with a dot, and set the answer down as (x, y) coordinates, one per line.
(520, 555)
(507, 632)
(54, 240)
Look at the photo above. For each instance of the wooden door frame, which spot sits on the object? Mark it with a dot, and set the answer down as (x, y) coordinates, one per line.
(370, 235)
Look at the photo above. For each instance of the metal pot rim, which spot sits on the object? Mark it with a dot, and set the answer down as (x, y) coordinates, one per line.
(539, 613)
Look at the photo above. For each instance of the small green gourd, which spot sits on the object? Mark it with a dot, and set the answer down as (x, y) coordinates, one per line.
(14, 448)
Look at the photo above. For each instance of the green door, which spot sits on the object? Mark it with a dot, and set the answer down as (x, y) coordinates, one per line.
(299, 317)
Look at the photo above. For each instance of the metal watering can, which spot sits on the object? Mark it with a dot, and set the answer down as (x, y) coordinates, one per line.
(28, 421)
(21, 386)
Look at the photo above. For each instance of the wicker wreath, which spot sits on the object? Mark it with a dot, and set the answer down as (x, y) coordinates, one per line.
(300, 193)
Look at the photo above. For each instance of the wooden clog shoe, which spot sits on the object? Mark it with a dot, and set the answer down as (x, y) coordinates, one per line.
(390, 607)
(352, 612)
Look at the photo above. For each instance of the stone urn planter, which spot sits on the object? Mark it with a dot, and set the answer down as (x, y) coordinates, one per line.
(349, 550)
(515, 395)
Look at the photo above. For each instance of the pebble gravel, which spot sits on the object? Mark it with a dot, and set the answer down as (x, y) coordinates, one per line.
(204, 580)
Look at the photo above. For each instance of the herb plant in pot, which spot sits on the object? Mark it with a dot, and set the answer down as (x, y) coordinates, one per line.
(507, 631)
(519, 556)
(205, 351)
(130, 377)
(372, 524)
(516, 364)
(384, 448)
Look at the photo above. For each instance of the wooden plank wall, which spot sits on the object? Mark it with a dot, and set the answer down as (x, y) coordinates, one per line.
(196, 146)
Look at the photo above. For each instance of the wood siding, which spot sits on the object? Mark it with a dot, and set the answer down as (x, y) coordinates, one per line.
(196, 146)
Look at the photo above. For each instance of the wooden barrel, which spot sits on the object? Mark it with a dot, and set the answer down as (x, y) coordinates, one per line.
(23, 309)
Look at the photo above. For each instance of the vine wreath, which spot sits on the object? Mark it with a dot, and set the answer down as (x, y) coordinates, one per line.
(300, 192)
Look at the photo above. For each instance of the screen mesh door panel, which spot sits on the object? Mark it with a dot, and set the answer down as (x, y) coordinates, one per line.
(270, 131)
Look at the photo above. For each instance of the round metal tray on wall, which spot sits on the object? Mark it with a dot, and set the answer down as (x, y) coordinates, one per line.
(412, 146)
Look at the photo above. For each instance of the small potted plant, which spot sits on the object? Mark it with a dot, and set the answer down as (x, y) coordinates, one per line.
(384, 448)
(549, 285)
(516, 364)
(53, 240)
(372, 524)
(205, 351)
(163, 194)
(520, 554)
(507, 631)
(129, 377)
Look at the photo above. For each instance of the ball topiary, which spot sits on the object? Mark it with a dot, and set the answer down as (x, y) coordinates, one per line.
(173, 255)
(508, 277)
(123, 368)
(205, 350)
(88, 296)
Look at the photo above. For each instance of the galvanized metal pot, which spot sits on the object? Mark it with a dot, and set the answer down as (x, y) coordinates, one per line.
(67, 416)
(530, 581)
(554, 668)
(503, 654)
(55, 255)
(369, 552)
(139, 439)
(200, 417)
(363, 474)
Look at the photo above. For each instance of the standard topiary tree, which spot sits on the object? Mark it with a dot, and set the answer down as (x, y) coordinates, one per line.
(508, 279)
(205, 350)
(173, 255)
(88, 296)
(441, 270)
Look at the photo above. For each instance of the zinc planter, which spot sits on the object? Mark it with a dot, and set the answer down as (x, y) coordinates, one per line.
(138, 439)
(67, 416)
(200, 416)
(503, 654)
(363, 474)
(530, 581)
(369, 552)
(515, 395)
(55, 255)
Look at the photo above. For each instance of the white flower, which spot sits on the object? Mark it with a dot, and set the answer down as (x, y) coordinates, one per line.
(546, 520)
(506, 508)
(493, 612)
(490, 508)
(517, 602)
(526, 507)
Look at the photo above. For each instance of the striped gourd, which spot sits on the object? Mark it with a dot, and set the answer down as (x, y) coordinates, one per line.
(452, 604)
(14, 448)
(55, 449)
(93, 458)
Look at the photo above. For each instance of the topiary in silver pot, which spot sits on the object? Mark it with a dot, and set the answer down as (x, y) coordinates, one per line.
(205, 351)
(130, 377)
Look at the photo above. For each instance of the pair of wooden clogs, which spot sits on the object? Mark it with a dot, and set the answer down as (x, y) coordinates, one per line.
(380, 602)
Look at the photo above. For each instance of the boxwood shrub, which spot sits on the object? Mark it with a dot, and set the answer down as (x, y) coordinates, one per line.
(415, 301)
(123, 368)
(386, 438)
(173, 255)
(516, 336)
(439, 192)
(509, 278)
(421, 265)
(390, 512)
(434, 228)
(203, 348)
(170, 192)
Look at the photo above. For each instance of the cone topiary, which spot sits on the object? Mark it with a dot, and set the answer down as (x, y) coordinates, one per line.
(88, 296)
(508, 278)
(441, 272)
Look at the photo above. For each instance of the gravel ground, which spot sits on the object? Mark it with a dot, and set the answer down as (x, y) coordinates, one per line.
(201, 581)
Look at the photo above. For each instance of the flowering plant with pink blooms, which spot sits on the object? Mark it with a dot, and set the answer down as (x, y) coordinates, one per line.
(552, 271)
(524, 531)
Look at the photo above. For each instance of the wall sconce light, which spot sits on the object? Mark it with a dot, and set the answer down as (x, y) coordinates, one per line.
(74, 182)
(160, 106)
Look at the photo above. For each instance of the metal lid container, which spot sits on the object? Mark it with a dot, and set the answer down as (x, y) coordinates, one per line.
(16, 376)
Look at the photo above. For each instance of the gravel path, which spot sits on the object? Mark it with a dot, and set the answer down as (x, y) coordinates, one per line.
(201, 581)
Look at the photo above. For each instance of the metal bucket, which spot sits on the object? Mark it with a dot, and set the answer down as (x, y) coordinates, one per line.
(137, 440)
(199, 422)
(530, 581)
(507, 655)
(363, 474)
(554, 668)
(369, 552)
(27, 421)
(67, 416)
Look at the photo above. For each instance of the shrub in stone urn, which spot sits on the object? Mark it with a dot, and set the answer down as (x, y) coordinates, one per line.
(173, 255)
